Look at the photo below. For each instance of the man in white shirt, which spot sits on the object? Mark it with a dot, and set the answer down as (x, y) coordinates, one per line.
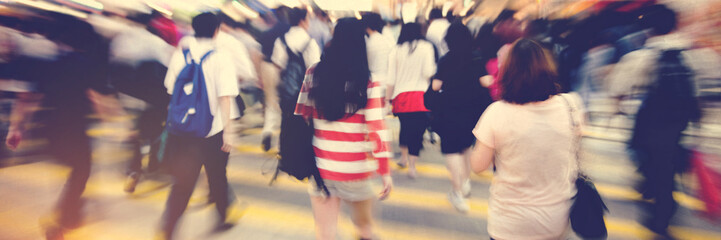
(298, 41)
(301, 44)
(187, 154)
(437, 31)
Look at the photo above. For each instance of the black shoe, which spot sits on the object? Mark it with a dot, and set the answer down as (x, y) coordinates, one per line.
(266, 142)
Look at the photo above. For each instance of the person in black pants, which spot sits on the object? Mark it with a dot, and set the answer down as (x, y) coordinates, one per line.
(187, 151)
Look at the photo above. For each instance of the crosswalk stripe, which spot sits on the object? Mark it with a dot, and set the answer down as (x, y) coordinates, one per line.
(405, 197)
(439, 171)
(479, 207)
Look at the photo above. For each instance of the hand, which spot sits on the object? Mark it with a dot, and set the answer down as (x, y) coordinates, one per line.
(387, 186)
(13, 139)
(227, 141)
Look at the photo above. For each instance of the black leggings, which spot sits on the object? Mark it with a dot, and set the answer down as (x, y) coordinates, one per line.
(413, 125)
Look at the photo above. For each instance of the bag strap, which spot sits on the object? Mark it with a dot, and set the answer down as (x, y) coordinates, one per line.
(576, 131)
(202, 59)
(290, 52)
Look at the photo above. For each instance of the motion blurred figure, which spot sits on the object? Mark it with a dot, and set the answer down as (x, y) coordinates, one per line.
(71, 87)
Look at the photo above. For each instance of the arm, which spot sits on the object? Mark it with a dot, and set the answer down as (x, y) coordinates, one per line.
(21, 113)
(227, 89)
(379, 135)
(224, 102)
(481, 157)
(437, 84)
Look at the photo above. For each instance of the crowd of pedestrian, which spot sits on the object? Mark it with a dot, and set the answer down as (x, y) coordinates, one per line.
(495, 92)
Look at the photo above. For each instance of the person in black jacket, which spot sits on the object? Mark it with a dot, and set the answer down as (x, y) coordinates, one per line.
(460, 103)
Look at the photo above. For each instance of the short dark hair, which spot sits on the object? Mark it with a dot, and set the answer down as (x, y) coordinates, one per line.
(205, 25)
(296, 16)
(373, 21)
(528, 74)
(660, 19)
(435, 13)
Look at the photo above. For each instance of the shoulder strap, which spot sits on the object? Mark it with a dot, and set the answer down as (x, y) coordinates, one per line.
(575, 129)
(290, 52)
(206, 55)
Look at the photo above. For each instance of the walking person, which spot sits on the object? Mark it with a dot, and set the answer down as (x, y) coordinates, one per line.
(293, 53)
(188, 152)
(461, 102)
(346, 109)
(412, 64)
(70, 87)
(666, 69)
(528, 138)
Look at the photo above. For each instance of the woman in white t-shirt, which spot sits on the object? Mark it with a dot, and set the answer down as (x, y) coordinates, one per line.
(527, 137)
(412, 64)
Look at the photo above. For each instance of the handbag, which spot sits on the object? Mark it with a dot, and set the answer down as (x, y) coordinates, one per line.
(588, 207)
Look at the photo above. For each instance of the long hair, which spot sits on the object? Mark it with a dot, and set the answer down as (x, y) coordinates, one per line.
(459, 38)
(409, 33)
(528, 74)
(340, 80)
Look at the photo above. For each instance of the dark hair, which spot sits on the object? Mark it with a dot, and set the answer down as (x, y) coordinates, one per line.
(205, 25)
(73, 32)
(409, 33)
(435, 13)
(296, 16)
(528, 74)
(459, 38)
(660, 19)
(487, 43)
(373, 21)
(340, 80)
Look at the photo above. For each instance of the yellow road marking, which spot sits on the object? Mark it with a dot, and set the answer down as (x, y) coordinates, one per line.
(439, 171)
(420, 199)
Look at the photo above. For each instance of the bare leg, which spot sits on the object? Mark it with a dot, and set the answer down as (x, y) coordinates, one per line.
(456, 165)
(325, 213)
(362, 215)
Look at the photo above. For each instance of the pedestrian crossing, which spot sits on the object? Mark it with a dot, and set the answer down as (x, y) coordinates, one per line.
(263, 217)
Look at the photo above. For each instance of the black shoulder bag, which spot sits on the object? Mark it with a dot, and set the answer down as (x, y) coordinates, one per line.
(588, 207)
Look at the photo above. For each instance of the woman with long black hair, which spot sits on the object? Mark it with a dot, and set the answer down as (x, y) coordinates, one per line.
(461, 102)
(346, 108)
(412, 64)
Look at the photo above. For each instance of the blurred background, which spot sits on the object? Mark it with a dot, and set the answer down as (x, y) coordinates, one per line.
(126, 45)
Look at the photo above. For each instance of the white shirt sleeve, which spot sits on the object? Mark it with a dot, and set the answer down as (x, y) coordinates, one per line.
(484, 130)
(311, 55)
(429, 62)
(177, 62)
(634, 69)
(392, 68)
(279, 56)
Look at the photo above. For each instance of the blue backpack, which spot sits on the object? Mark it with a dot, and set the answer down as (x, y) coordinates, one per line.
(189, 113)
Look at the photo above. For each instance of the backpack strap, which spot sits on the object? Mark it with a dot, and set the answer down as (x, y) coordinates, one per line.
(290, 52)
(206, 55)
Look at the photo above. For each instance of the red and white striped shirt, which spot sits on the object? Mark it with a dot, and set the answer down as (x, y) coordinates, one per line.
(342, 147)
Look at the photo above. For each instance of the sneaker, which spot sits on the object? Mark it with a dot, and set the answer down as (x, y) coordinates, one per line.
(266, 142)
(459, 202)
(131, 182)
(466, 188)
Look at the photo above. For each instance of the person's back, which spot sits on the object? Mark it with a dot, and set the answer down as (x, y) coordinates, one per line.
(192, 143)
(412, 66)
(530, 141)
